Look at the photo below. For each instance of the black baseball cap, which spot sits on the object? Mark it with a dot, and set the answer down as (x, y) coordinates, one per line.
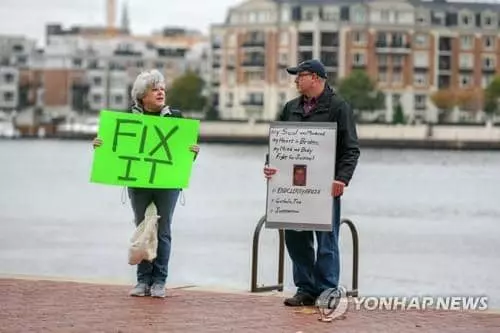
(313, 66)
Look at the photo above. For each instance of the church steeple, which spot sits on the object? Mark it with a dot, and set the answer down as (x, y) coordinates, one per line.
(125, 19)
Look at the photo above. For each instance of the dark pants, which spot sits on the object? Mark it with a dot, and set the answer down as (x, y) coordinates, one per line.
(165, 201)
(315, 272)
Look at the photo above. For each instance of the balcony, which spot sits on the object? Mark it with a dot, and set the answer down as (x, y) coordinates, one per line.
(253, 108)
(444, 81)
(254, 43)
(358, 65)
(253, 63)
(466, 68)
(489, 69)
(392, 48)
(445, 44)
(444, 63)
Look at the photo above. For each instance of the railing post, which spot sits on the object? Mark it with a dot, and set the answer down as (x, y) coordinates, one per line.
(255, 259)
(355, 256)
(281, 258)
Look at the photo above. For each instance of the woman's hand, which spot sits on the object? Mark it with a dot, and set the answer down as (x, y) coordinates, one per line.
(96, 143)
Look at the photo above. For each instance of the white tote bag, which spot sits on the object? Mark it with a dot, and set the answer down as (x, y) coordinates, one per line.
(144, 241)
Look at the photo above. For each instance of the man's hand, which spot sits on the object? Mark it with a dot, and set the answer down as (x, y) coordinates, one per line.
(269, 172)
(337, 188)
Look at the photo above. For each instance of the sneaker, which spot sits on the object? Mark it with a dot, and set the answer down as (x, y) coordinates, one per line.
(300, 299)
(140, 290)
(158, 290)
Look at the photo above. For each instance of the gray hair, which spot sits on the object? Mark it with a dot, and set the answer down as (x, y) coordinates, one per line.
(144, 81)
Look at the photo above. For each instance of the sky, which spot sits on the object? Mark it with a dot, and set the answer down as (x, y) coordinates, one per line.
(29, 17)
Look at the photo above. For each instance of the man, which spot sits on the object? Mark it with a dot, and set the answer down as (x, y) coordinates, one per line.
(148, 94)
(319, 103)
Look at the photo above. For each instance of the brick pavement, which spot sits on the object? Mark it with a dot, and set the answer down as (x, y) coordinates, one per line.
(48, 306)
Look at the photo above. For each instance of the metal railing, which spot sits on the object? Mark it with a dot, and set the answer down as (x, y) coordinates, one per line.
(281, 259)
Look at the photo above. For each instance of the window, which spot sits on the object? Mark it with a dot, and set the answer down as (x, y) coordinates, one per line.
(231, 79)
(97, 81)
(359, 15)
(421, 40)
(420, 102)
(97, 98)
(118, 99)
(422, 17)
(466, 60)
(489, 20)
(359, 37)
(466, 42)
(397, 76)
(229, 98)
(489, 42)
(384, 15)
(8, 77)
(382, 60)
(306, 39)
(255, 98)
(329, 59)
(397, 61)
(420, 79)
(359, 59)
(329, 15)
(285, 15)
(382, 76)
(421, 59)
(489, 62)
(309, 15)
(283, 76)
(252, 17)
(284, 37)
(8, 96)
(486, 80)
(282, 98)
(465, 80)
(466, 19)
(77, 62)
(283, 59)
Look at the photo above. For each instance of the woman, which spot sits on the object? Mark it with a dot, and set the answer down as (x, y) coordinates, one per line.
(148, 94)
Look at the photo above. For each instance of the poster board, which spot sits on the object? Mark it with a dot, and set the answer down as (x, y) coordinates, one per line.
(144, 151)
(299, 195)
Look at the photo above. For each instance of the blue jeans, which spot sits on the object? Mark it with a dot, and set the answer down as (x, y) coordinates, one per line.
(312, 274)
(165, 201)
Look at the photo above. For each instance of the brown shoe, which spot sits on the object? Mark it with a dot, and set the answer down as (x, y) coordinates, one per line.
(300, 299)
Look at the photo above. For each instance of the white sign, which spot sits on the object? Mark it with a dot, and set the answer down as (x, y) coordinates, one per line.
(299, 195)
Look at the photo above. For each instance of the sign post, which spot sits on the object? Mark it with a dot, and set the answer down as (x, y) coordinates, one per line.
(144, 151)
(299, 194)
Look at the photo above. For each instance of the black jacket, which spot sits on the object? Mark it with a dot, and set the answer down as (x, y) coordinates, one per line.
(331, 107)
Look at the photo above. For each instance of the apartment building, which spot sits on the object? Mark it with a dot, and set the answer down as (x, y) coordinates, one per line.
(85, 72)
(410, 48)
(14, 55)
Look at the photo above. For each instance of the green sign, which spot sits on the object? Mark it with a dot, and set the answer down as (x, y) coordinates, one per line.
(144, 151)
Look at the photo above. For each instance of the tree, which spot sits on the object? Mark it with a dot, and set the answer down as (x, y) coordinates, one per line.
(360, 91)
(469, 100)
(445, 101)
(398, 115)
(492, 96)
(186, 93)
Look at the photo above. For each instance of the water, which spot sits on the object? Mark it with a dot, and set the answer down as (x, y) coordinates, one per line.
(428, 221)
